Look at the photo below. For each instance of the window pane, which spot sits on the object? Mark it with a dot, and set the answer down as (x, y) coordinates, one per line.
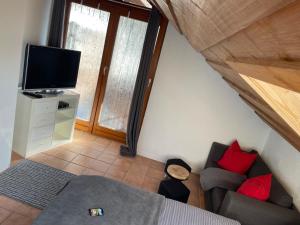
(86, 33)
(122, 74)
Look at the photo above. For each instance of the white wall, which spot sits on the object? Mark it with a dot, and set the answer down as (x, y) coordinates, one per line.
(284, 161)
(191, 106)
(11, 26)
(21, 21)
(36, 25)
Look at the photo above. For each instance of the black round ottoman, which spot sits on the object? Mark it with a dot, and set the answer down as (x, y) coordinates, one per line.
(180, 171)
(175, 190)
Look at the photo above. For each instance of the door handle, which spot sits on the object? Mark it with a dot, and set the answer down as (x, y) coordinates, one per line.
(149, 82)
(105, 70)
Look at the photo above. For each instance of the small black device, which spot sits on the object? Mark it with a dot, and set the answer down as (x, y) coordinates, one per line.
(48, 68)
(63, 105)
(96, 212)
(35, 95)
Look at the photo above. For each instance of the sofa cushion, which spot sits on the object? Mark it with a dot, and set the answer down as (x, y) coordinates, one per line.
(236, 160)
(217, 177)
(217, 197)
(278, 194)
(257, 187)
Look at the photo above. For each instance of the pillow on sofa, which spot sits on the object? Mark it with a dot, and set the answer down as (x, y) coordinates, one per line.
(235, 160)
(278, 194)
(257, 187)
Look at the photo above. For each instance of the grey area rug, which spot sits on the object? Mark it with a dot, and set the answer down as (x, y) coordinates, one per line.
(33, 183)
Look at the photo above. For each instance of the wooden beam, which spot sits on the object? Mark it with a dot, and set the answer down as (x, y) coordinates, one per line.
(281, 73)
(268, 120)
(283, 130)
(242, 91)
(163, 7)
(169, 3)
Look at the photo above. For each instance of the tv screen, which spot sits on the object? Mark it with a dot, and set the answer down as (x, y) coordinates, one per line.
(50, 68)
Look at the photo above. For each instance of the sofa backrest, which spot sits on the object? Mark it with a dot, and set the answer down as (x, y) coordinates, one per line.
(278, 194)
(216, 152)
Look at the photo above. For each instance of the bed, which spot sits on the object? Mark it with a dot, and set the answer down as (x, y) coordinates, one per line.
(122, 205)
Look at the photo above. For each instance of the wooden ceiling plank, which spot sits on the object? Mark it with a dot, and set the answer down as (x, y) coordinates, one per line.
(280, 73)
(275, 37)
(209, 22)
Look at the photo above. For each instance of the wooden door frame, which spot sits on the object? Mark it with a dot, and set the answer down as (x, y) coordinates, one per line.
(117, 9)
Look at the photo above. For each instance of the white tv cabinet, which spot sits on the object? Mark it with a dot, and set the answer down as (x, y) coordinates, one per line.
(40, 125)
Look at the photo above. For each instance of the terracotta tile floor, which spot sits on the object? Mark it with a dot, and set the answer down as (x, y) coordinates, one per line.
(91, 155)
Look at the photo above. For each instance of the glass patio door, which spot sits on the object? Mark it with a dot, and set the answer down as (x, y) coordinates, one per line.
(87, 29)
(113, 108)
(111, 43)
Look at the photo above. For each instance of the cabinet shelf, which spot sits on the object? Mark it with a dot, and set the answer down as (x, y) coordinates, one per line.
(60, 118)
(40, 126)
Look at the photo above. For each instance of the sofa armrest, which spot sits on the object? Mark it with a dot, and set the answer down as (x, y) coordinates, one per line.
(250, 211)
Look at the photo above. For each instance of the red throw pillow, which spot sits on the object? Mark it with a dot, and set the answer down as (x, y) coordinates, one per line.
(257, 187)
(235, 160)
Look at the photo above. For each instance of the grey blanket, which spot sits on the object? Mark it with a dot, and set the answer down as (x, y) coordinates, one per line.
(123, 205)
(216, 177)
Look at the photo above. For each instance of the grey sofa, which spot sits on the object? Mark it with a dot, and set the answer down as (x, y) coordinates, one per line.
(278, 210)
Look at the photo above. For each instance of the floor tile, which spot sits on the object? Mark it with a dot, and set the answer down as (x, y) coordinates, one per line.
(133, 180)
(34, 213)
(102, 141)
(91, 163)
(155, 173)
(91, 172)
(138, 169)
(75, 169)
(56, 163)
(62, 153)
(50, 161)
(17, 219)
(157, 165)
(107, 157)
(40, 157)
(123, 164)
(85, 150)
(4, 213)
(140, 160)
(115, 172)
(14, 206)
(151, 184)
(114, 147)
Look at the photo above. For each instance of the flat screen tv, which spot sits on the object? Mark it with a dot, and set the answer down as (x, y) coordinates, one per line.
(48, 68)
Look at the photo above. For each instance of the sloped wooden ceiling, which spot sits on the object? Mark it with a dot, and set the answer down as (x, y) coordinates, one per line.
(255, 47)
